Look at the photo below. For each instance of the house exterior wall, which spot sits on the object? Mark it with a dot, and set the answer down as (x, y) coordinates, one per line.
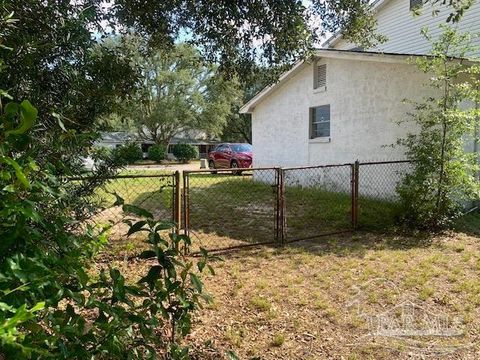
(403, 30)
(365, 99)
(366, 102)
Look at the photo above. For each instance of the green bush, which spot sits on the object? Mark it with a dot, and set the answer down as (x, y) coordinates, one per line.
(53, 302)
(128, 153)
(185, 152)
(157, 153)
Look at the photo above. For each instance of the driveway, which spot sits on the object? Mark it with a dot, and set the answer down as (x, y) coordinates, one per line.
(193, 165)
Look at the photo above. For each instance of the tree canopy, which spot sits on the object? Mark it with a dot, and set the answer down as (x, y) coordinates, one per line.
(177, 92)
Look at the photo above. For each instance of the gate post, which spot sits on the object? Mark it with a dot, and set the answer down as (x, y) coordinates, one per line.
(177, 202)
(355, 181)
(185, 204)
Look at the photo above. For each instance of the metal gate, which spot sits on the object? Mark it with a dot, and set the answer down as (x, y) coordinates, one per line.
(230, 208)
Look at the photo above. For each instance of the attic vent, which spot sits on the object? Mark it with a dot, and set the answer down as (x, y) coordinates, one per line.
(415, 4)
(320, 80)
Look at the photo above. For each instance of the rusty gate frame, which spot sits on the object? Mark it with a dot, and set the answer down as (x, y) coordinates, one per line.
(277, 214)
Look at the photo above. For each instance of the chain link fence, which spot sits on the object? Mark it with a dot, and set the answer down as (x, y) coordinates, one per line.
(154, 193)
(227, 208)
(317, 201)
(224, 209)
(378, 204)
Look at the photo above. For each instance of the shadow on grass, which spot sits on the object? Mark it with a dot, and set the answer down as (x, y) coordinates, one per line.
(469, 224)
(227, 211)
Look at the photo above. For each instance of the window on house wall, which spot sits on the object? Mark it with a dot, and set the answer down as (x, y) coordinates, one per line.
(415, 4)
(320, 76)
(320, 121)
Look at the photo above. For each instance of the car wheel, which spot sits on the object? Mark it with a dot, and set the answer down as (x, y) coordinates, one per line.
(211, 165)
(234, 165)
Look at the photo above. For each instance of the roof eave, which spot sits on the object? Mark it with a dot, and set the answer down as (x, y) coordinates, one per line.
(249, 106)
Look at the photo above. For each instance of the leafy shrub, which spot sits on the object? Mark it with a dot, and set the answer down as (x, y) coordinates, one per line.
(157, 153)
(444, 175)
(185, 152)
(50, 307)
(128, 153)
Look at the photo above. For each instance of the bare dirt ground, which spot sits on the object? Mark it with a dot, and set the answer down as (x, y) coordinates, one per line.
(345, 297)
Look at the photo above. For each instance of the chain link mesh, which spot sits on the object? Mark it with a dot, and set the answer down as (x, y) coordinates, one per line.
(378, 205)
(226, 209)
(229, 208)
(318, 200)
(154, 193)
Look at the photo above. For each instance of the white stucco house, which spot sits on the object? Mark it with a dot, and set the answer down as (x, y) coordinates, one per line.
(344, 103)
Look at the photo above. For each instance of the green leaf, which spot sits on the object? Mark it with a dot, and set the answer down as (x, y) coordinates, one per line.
(196, 282)
(152, 276)
(28, 115)
(38, 306)
(138, 226)
(147, 254)
(135, 210)
(118, 199)
(18, 171)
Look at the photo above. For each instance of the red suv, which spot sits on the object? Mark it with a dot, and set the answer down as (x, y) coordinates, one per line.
(230, 156)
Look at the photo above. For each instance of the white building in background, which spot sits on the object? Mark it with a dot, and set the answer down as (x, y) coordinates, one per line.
(344, 104)
(339, 107)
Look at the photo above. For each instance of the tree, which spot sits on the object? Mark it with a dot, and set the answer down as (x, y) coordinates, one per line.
(238, 34)
(178, 92)
(50, 60)
(239, 126)
(444, 173)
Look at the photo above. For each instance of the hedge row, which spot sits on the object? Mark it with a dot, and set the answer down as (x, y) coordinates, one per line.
(132, 152)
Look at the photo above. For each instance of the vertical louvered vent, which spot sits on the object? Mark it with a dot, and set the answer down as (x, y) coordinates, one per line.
(321, 76)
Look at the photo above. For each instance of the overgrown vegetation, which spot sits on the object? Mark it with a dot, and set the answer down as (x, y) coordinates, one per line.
(52, 303)
(445, 175)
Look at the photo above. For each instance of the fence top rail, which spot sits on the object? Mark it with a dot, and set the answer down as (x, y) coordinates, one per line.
(228, 170)
(315, 166)
(385, 162)
(112, 177)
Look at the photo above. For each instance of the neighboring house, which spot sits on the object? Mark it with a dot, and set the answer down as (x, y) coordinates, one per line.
(116, 139)
(403, 30)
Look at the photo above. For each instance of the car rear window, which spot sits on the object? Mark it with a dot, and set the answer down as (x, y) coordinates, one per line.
(241, 147)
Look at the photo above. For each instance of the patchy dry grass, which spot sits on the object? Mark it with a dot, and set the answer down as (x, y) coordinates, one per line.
(303, 301)
(318, 299)
(313, 299)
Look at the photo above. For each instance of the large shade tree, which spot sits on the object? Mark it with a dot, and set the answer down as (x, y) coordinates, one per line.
(178, 92)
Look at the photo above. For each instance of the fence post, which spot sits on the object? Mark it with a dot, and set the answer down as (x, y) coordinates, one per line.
(185, 205)
(281, 213)
(177, 202)
(355, 182)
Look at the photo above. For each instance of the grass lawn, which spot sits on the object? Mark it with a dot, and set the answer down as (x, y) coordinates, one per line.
(312, 299)
(227, 210)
